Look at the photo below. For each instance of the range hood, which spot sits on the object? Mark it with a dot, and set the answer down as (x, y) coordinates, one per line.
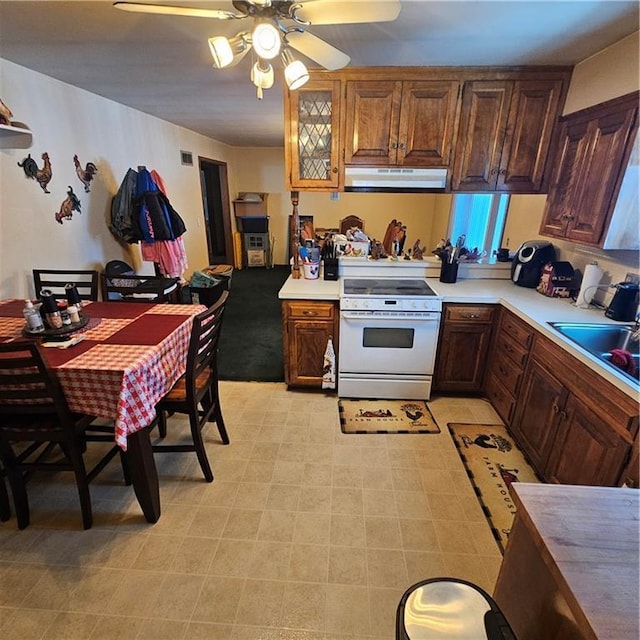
(394, 179)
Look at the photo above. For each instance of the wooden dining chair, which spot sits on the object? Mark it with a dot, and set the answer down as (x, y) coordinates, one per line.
(5, 507)
(35, 423)
(350, 222)
(196, 392)
(86, 282)
(119, 282)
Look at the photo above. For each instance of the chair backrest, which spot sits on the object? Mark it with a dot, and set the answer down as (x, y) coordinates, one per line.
(27, 385)
(203, 345)
(86, 282)
(350, 222)
(119, 282)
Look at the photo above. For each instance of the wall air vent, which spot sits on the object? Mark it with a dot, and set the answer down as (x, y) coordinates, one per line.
(186, 158)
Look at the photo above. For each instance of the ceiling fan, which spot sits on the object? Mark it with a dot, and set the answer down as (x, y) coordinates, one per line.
(277, 27)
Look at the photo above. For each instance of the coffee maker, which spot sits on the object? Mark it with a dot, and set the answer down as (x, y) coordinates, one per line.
(624, 304)
(528, 261)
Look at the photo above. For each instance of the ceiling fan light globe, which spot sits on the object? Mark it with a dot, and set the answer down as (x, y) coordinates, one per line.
(295, 74)
(262, 77)
(266, 40)
(220, 51)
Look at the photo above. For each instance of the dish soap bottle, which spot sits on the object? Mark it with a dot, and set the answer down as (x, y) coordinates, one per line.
(33, 317)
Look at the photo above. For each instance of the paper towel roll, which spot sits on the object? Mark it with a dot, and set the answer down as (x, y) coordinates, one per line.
(589, 286)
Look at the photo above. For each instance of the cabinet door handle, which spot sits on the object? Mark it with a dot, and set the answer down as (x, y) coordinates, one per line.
(503, 172)
(493, 172)
(394, 145)
(555, 408)
(335, 169)
(402, 146)
(307, 312)
(471, 315)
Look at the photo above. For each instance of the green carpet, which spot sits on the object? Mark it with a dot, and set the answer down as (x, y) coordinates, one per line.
(251, 339)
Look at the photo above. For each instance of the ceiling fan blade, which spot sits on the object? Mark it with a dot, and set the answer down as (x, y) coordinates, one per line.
(317, 49)
(317, 13)
(168, 10)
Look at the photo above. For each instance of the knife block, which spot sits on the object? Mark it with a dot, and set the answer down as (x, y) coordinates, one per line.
(330, 269)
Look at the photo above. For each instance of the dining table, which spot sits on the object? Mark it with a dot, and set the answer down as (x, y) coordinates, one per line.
(126, 357)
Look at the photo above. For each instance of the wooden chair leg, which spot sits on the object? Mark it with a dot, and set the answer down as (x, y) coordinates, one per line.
(5, 507)
(126, 472)
(17, 484)
(73, 451)
(222, 429)
(162, 423)
(198, 442)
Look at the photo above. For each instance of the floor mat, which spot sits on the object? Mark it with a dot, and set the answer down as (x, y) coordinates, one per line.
(493, 462)
(386, 416)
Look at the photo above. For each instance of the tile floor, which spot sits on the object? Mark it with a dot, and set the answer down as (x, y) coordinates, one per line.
(306, 533)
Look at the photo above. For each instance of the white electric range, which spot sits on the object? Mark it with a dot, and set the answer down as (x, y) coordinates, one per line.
(388, 336)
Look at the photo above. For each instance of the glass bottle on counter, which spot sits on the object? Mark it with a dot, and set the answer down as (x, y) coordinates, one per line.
(33, 317)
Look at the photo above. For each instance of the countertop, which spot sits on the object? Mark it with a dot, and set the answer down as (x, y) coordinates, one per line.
(531, 306)
(587, 538)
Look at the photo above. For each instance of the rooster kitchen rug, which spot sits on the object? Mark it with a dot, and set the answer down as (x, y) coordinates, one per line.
(386, 416)
(493, 462)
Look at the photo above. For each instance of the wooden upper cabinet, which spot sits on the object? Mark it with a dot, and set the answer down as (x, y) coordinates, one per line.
(491, 127)
(532, 117)
(312, 137)
(485, 110)
(591, 155)
(372, 116)
(400, 123)
(505, 133)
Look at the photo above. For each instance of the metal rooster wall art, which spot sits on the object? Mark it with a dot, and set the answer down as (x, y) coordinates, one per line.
(85, 175)
(68, 206)
(31, 170)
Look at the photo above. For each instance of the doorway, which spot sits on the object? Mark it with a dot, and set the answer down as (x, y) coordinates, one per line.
(217, 211)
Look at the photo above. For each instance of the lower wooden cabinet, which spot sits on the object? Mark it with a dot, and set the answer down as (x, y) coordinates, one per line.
(463, 346)
(307, 327)
(510, 352)
(574, 427)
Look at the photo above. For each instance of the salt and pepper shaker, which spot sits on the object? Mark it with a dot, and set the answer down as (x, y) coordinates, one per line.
(50, 307)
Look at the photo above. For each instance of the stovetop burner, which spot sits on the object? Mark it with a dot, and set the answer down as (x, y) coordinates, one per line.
(407, 287)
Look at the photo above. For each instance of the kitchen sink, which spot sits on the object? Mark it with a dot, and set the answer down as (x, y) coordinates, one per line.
(602, 339)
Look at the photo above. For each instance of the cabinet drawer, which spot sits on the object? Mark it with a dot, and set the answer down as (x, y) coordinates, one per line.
(513, 350)
(516, 329)
(509, 375)
(315, 310)
(503, 402)
(470, 313)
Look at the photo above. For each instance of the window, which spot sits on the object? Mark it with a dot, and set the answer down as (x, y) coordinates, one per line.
(480, 217)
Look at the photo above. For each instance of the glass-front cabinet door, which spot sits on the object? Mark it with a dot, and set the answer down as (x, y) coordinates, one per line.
(312, 136)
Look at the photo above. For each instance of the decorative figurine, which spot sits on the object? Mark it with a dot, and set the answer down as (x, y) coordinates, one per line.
(68, 206)
(43, 176)
(5, 114)
(394, 238)
(418, 251)
(86, 174)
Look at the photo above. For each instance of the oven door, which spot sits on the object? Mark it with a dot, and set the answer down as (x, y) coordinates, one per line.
(383, 343)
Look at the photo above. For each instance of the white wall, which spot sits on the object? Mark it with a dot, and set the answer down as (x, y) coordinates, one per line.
(65, 121)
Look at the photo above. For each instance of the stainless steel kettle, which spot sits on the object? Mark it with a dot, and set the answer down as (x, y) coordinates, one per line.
(624, 304)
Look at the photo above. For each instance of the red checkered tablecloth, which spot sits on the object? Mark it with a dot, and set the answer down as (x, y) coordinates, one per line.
(128, 361)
